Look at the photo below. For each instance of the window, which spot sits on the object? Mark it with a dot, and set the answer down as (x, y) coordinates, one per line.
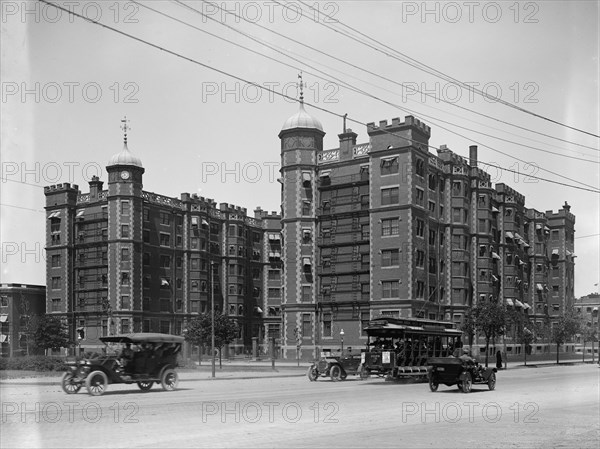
(124, 278)
(195, 263)
(431, 207)
(481, 200)
(125, 327)
(389, 166)
(554, 235)
(165, 261)
(389, 227)
(327, 324)
(555, 289)
(390, 258)
(56, 305)
(419, 196)
(306, 208)
(389, 289)
(364, 323)
(432, 265)
(146, 214)
(365, 232)
(365, 261)
(456, 187)
(306, 325)
(146, 236)
(55, 225)
(56, 283)
(456, 215)
(420, 228)
(125, 302)
(420, 290)
(274, 293)
(125, 254)
(124, 207)
(125, 231)
(432, 236)
(420, 167)
(165, 239)
(482, 225)
(432, 182)
(364, 202)
(55, 260)
(165, 218)
(390, 196)
(482, 250)
(420, 258)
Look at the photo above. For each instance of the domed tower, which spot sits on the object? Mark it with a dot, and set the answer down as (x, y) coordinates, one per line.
(301, 139)
(125, 221)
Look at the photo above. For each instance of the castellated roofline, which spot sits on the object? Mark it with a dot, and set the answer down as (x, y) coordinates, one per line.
(409, 121)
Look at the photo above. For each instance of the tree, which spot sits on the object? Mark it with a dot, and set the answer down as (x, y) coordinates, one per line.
(198, 331)
(48, 332)
(468, 326)
(489, 319)
(566, 327)
(525, 336)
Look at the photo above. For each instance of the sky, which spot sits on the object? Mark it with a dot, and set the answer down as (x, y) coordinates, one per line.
(188, 86)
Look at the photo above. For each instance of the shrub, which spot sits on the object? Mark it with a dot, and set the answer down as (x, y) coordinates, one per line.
(33, 363)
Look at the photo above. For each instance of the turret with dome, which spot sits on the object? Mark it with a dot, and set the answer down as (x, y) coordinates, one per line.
(124, 166)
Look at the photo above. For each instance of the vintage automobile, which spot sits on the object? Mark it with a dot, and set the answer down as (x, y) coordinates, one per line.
(455, 371)
(153, 359)
(337, 367)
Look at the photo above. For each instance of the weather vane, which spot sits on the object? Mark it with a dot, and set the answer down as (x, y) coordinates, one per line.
(125, 128)
(301, 87)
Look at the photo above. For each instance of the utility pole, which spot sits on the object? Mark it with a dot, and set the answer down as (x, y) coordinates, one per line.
(212, 315)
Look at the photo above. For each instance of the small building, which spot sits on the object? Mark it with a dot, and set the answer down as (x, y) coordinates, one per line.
(18, 303)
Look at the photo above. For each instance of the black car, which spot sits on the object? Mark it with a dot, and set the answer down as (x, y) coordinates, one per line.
(152, 359)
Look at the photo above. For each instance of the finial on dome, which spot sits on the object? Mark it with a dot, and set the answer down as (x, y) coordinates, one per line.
(125, 128)
(301, 87)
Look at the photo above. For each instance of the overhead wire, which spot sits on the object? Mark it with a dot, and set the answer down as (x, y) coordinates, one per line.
(424, 67)
(349, 86)
(223, 72)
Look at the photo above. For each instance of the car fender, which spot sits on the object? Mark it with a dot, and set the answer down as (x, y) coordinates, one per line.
(463, 375)
(488, 372)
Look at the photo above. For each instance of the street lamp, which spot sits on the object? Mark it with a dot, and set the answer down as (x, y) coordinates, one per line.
(594, 334)
(342, 337)
(212, 315)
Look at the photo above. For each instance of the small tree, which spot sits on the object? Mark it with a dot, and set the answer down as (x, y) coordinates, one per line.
(525, 336)
(468, 326)
(567, 326)
(198, 331)
(48, 332)
(490, 320)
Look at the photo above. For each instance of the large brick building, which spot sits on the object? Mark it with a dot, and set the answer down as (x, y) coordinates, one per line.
(387, 228)
(121, 259)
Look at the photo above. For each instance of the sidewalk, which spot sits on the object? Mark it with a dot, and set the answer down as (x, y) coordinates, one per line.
(242, 369)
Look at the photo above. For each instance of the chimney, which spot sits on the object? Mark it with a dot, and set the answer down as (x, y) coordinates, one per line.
(95, 188)
(473, 155)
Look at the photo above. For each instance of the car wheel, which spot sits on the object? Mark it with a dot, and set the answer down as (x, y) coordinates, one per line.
(492, 381)
(433, 385)
(467, 383)
(169, 380)
(145, 385)
(96, 383)
(336, 373)
(459, 386)
(312, 373)
(69, 386)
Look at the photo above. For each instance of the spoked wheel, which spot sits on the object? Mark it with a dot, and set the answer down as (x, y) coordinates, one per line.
(433, 384)
(169, 380)
(492, 381)
(96, 383)
(145, 385)
(467, 383)
(68, 384)
(312, 373)
(336, 373)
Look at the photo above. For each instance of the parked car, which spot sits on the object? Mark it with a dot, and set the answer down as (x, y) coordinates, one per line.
(337, 367)
(463, 373)
(152, 359)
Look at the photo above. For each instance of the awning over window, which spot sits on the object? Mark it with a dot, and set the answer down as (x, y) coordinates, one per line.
(555, 252)
(80, 213)
(538, 226)
(509, 302)
(2, 338)
(526, 306)
(305, 177)
(518, 303)
(306, 261)
(495, 210)
(518, 236)
(495, 255)
(324, 174)
(274, 237)
(509, 235)
(54, 214)
(3, 318)
(539, 287)
(495, 279)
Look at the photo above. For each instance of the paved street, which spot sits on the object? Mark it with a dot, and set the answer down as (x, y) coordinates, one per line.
(554, 406)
